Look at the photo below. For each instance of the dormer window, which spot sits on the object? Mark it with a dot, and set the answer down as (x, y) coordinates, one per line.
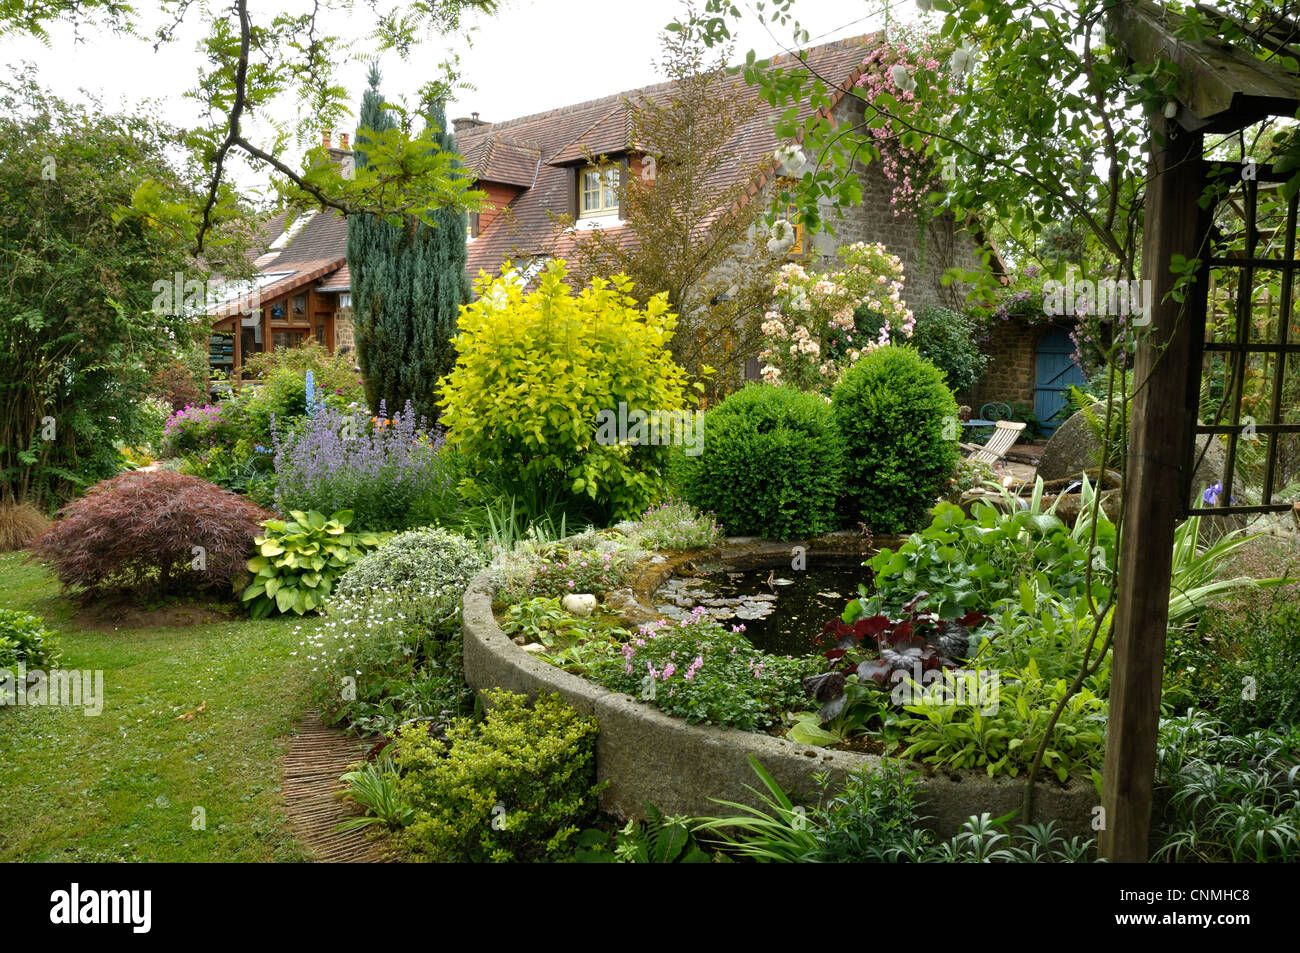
(598, 190)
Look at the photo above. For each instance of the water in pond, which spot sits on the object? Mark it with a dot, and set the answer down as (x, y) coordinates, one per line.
(782, 609)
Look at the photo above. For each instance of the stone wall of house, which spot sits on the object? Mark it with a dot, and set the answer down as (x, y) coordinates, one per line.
(344, 333)
(1010, 373)
(925, 256)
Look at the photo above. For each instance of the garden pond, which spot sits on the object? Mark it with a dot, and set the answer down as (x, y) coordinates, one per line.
(782, 610)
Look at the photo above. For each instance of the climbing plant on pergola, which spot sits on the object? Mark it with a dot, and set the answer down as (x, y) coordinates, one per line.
(1220, 87)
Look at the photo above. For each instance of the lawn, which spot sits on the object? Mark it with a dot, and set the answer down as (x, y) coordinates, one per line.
(124, 785)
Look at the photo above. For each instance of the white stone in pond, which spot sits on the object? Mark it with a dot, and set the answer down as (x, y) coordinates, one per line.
(579, 604)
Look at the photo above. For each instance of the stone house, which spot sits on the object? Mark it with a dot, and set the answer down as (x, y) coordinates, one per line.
(538, 167)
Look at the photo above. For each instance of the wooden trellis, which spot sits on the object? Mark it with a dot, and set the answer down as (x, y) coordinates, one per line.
(1242, 258)
(1221, 88)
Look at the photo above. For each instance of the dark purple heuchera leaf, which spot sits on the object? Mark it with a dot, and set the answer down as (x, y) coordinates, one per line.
(920, 642)
(824, 687)
(848, 636)
(910, 607)
(832, 708)
(950, 639)
(876, 671)
(827, 688)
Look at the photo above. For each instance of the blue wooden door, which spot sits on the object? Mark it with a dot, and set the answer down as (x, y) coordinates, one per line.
(1056, 374)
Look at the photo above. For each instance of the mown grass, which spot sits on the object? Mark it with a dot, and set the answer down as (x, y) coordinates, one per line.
(124, 785)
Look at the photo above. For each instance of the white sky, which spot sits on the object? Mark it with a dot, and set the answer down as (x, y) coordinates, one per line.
(534, 55)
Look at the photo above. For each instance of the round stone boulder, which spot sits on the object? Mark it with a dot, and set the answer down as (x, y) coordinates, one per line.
(1071, 450)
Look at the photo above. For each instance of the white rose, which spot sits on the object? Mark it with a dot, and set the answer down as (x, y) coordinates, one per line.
(790, 158)
(902, 78)
(782, 239)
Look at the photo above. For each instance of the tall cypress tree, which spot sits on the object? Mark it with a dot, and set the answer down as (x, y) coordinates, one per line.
(440, 283)
(407, 286)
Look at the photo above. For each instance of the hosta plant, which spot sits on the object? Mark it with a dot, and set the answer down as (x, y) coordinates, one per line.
(972, 562)
(1002, 737)
(298, 561)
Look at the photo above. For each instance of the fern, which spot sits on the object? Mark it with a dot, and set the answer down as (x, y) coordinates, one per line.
(1113, 445)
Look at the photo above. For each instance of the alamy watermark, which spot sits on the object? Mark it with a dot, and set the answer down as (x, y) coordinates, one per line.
(1101, 298)
(68, 688)
(948, 688)
(656, 428)
(74, 906)
(179, 296)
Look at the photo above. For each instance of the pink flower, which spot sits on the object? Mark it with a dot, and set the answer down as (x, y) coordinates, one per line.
(694, 667)
(669, 669)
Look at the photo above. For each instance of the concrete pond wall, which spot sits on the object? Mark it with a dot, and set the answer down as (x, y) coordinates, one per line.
(650, 757)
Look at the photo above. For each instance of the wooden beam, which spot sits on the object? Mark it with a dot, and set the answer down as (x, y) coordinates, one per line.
(1164, 410)
(1276, 36)
(1222, 87)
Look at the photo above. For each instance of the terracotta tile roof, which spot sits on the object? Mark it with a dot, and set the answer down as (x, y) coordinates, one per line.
(337, 280)
(526, 226)
(530, 153)
(504, 159)
(303, 273)
(611, 133)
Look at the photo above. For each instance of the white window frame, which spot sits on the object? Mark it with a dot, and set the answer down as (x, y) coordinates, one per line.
(611, 173)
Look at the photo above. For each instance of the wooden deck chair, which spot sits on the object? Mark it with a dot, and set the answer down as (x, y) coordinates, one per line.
(1005, 435)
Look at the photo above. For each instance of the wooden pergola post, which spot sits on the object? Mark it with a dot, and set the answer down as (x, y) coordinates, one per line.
(1164, 411)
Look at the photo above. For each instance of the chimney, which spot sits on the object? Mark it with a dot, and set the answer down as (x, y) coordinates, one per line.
(465, 124)
(341, 155)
